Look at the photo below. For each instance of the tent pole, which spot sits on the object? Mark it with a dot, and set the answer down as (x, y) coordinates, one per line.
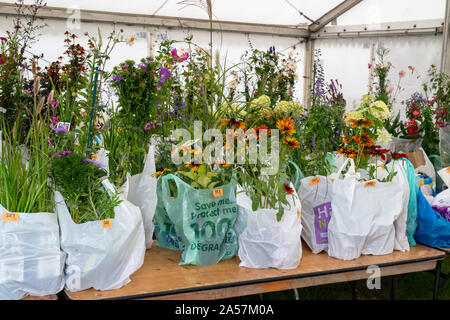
(308, 72)
(445, 57)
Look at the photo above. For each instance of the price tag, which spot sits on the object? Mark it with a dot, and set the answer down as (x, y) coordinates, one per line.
(217, 193)
(299, 213)
(370, 184)
(10, 217)
(314, 181)
(106, 224)
(447, 170)
(383, 166)
(422, 182)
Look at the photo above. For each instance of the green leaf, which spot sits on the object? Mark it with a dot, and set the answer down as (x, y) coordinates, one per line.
(280, 213)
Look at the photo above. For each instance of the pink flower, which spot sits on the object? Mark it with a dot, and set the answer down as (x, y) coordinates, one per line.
(401, 74)
(370, 65)
(174, 53)
(416, 113)
(148, 126)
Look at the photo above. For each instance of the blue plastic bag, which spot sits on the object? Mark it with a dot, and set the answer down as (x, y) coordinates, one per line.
(432, 229)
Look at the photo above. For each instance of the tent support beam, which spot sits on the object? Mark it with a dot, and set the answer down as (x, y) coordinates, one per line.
(333, 14)
(445, 57)
(308, 72)
(404, 28)
(300, 31)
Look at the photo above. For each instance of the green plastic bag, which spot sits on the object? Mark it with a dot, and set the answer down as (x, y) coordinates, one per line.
(331, 159)
(203, 220)
(296, 179)
(166, 236)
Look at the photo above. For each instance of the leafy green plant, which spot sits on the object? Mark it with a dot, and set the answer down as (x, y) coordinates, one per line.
(80, 182)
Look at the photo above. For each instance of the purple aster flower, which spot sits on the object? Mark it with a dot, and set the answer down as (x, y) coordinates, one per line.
(133, 74)
(94, 162)
(148, 126)
(164, 72)
(162, 80)
(125, 67)
(142, 66)
(117, 78)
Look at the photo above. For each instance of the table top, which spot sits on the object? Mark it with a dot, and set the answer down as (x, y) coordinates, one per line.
(161, 275)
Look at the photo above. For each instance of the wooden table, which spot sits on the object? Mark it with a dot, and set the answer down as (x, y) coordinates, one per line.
(162, 278)
(48, 298)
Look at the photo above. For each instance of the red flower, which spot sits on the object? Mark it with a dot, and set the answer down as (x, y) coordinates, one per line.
(397, 155)
(288, 189)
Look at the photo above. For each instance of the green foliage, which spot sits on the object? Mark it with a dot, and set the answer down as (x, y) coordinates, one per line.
(80, 182)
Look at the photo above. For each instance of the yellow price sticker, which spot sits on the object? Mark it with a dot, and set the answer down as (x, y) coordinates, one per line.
(422, 182)
(217, 193)
(299, 213)
(106, 224)
(447, 170)
(10, 217)
(370, 184)
(314, 181)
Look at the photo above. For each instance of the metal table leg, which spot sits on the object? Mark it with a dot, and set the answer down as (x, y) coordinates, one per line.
(437, 280)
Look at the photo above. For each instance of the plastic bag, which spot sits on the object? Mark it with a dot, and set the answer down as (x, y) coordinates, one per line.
(444, 145)
(102, 254)
(315, 196)
(427, 169)
(405, 172)
(432, 229)
(31, 261)
(263, 241)
(202, 219)
(298, 175)
(165, 233)
(445, 176)
(363, 215)
(441, 203)
(140, 190)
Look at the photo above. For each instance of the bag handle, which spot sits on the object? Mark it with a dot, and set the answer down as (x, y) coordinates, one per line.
(352, 169)
(149, 162)
(165, 184)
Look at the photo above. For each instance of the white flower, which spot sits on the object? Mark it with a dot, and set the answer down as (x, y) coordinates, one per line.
(384, 137)
(130, 40)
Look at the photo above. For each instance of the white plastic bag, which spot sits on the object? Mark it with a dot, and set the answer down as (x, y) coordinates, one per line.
(400, 224)
(31, 261)
(445, 176)
(140, 190)
(263, 241)
(363, 215)
(102, 255)
(315, 197)
(427, 169)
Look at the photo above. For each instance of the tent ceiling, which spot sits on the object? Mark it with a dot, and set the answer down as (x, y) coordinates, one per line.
(251, 11)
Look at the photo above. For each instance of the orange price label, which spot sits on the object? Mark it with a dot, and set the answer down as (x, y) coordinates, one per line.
(10, 217)
(314, 181)
(299, 213)
(370, 184)
(217, 193)
(447, 170)
(106, 224)
(383, 166)
(422, 182)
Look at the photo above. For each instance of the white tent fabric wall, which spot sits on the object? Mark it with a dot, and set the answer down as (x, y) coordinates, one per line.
(380, 11)
(347, 60)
